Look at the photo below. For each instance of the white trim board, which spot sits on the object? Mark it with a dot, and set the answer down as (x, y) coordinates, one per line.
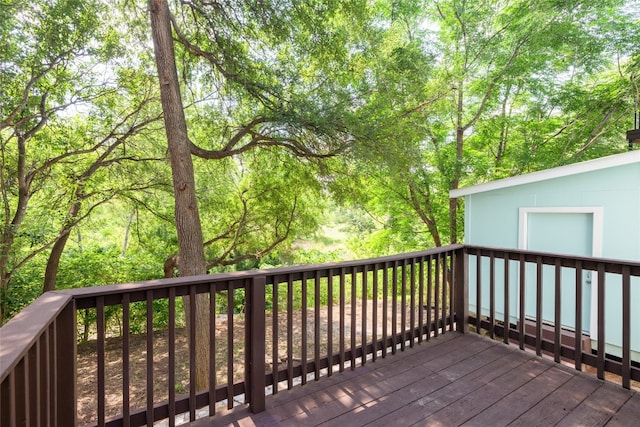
(596, 211)
(596, 245)
(574, 169)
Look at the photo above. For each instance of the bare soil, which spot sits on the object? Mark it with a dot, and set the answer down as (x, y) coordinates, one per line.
(87, 356)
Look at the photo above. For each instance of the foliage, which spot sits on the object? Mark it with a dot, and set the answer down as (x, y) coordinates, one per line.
(365, 112)
(65, 127)
(501, 89)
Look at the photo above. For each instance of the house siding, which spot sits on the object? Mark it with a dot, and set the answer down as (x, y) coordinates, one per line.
(492, 218)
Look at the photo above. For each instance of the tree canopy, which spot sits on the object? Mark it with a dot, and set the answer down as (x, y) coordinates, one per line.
(292, 109)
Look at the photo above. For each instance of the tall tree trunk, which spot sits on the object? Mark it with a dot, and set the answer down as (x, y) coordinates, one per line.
(457, 168)
(455, 183)
(188, 227)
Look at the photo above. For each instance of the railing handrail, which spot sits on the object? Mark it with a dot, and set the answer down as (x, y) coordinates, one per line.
(567, 260)
(20, 334)
(157, 284)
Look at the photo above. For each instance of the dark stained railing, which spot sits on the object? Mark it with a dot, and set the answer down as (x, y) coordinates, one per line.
(270, 330)
(528, 276)
(37, 360)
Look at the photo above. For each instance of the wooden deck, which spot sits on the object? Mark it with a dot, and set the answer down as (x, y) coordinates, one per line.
(451, 380)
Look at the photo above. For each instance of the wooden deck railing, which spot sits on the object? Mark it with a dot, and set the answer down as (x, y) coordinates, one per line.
(526, 277)
(272, 329)
(37, 360)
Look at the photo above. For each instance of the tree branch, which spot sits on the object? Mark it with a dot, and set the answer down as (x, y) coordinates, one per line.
(259, 254)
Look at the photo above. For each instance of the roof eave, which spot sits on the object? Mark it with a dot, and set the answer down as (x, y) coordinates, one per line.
(573, 169)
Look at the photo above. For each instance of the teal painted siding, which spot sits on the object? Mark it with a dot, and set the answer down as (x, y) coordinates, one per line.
(492, 219)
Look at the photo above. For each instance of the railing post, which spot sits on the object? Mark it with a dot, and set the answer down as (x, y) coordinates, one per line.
(256, 299)
(461, 289)
(65, 366)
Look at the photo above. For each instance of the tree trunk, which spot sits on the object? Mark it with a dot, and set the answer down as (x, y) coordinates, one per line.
(188, 227)
(127, 230)
(457, 168)
(10, 229)
(51, 272)
(455, 183)
(426, 213)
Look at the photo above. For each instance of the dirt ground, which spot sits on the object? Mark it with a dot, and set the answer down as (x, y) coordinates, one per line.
(87, 357)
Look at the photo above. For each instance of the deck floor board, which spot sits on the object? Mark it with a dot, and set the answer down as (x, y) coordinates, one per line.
(628, 414)
(451, 380)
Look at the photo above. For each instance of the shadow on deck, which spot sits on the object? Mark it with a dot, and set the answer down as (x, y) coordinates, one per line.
(454, 379)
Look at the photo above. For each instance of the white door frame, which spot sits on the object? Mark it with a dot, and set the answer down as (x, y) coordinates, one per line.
(596, 211)
(596, 244)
